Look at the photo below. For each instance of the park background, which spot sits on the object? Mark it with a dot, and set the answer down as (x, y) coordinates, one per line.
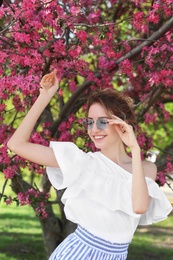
(125, 45)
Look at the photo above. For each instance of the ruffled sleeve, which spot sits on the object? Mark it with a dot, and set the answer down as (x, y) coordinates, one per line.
(159, 208)
(71, 161)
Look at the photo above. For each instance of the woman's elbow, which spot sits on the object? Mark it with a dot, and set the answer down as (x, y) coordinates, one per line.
(12, 145)
(140, 210)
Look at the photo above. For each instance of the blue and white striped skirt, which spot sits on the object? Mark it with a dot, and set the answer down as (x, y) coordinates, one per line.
(82, 245)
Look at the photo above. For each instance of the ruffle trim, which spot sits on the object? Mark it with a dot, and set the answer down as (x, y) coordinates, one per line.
(115, 195)
(159, 207)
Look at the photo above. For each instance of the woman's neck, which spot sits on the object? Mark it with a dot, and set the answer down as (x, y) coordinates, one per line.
(117, 155)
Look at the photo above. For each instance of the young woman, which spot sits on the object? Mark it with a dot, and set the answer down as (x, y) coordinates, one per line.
(108, 194)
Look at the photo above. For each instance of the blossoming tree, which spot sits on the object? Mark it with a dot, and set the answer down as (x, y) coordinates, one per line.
(126, 45)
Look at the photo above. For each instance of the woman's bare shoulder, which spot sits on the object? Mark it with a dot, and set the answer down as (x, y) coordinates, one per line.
(150, 169)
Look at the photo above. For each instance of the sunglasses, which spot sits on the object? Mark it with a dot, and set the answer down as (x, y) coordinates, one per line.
(101, 123)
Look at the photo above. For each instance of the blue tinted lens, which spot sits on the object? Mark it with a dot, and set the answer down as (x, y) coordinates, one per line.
(88, 123)
(102, 123)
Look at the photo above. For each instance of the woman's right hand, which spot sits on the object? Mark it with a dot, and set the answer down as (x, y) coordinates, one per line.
(49, 83)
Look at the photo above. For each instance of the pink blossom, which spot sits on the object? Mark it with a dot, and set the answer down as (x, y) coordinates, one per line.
(46, 124)
(37, 138)
(35, 168)
(153, 17)
(104, 63)
(71, 119)
(141, 139)
(126, 67)
(161, 77)
(2, 12)
(137, 21)
(59, 47)
(166, 115)
(8, 200)
(150, 118)
(109, 52)
(3, 133)
(72, 86)
(60, 92)
(82, 35)
(94, 17)
(35, 197)
(169, 167)
(161, 179)
(22, 37)
(75, 52)
(3, 57)
(63, 126)
(10, 171)
(75, 10)
(2, 107)
(65, 136)
(41, 211)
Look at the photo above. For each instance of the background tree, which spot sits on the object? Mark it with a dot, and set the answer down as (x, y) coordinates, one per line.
(126, 45)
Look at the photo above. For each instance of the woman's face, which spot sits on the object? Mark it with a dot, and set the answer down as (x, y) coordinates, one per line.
(102, 138)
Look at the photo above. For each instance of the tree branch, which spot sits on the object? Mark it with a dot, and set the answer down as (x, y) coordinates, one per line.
(156, 94)
(154, 37)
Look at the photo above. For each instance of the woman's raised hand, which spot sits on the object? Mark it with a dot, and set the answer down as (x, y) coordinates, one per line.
(49, 83)
(125, 131)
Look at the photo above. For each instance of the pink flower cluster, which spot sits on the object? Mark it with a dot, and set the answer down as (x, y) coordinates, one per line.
(8, 199)
(10, 171)
(36, 199)
(161, 178)
(144, 141)
(150, 118)
(169, 167)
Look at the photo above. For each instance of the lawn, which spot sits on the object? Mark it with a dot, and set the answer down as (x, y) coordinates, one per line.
(153, 242)
(20, 234)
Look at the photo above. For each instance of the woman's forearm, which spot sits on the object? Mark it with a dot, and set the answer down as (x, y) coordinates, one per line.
(140, 196)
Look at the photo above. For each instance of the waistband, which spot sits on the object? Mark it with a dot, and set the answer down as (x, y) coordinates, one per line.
(100, 243)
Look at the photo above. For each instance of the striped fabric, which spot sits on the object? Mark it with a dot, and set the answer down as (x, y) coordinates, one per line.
(82, 245)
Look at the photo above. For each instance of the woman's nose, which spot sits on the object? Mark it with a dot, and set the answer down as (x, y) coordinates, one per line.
(95, 127)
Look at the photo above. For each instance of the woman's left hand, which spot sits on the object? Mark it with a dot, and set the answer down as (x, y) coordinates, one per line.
(125, 131)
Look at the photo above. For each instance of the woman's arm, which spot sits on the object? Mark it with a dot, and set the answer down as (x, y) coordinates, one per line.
(140, 195)
(19, 142)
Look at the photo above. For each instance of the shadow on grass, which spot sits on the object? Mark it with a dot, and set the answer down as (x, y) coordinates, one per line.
(149, 252)
(151, 243)
(22, 246)
(16, 215)
(20, 235)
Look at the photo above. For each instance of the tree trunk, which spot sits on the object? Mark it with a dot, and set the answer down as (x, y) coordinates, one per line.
(52, 231)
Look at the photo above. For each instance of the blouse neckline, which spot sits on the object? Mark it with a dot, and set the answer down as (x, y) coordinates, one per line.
(114, 163)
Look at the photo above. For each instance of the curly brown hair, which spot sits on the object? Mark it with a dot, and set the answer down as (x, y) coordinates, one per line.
(115, 103)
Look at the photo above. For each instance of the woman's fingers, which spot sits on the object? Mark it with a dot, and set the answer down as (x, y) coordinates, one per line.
(49, 79)
(118, 122)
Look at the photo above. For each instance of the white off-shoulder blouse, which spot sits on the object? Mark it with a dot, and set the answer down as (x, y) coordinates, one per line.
(98, 194)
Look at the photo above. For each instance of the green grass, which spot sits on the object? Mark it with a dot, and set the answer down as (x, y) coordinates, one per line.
(153, 242)
(20, 234)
